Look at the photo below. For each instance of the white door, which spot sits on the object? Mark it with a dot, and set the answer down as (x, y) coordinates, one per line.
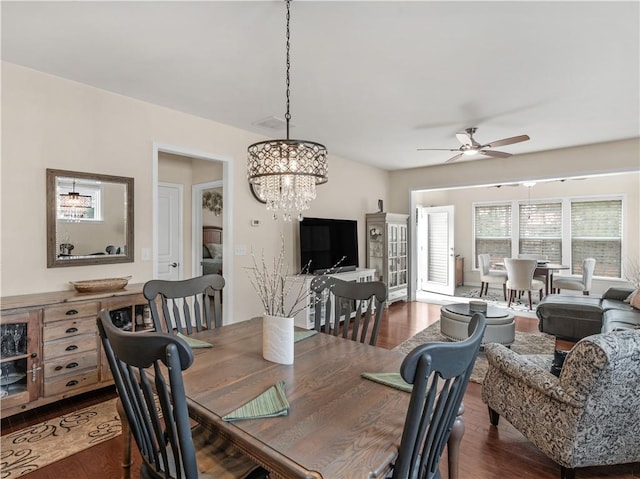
(169, 231)
(436, 255)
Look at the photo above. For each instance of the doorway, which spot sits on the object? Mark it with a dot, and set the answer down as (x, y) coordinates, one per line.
(192, 231)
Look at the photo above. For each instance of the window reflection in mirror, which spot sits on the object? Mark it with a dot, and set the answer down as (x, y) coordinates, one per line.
(89, 218)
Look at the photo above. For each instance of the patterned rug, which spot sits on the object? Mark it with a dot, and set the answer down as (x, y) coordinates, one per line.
(525, 343)
(34, 447)
(496, 298)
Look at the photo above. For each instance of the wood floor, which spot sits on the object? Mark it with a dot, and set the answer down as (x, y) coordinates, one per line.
(487, 452)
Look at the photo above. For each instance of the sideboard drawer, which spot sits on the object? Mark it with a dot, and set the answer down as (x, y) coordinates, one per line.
(71, 327)
(71, 310)
(70, 364)
(63, 384)
(65, 347)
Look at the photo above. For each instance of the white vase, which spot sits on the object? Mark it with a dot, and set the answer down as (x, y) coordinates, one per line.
(277, 339)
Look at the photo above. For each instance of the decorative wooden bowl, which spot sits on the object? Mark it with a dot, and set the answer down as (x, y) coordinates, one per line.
(100, 285)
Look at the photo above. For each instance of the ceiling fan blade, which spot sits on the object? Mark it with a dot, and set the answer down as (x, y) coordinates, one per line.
(437, 149)
(454, 158)
(495, 154)
(507, 141)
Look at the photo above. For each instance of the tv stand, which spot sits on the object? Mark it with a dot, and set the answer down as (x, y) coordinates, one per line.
(336, 270)
(305, 318)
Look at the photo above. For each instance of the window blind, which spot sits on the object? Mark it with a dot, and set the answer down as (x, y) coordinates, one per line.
(596, 232)
(541, 230)
(493, 231)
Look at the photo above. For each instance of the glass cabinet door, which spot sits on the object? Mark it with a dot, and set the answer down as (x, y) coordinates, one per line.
(20, 371)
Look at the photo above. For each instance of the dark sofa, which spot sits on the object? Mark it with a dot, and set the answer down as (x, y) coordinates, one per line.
(576, 317)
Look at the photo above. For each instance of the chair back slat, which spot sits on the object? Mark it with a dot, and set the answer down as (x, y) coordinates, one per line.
(147, 370)
(185, 305)
(357, 305)
(439, 373)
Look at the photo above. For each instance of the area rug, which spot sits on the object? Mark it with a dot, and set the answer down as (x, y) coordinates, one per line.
(496, 298)
(36, 446)
(525, 343)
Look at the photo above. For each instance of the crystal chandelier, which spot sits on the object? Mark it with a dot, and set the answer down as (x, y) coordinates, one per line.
(284, 173)
(73, 205)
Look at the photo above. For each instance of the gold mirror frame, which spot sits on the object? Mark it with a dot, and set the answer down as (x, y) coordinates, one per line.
(53, 259)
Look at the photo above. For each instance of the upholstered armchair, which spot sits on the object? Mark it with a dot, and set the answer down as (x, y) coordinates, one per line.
(588, 416)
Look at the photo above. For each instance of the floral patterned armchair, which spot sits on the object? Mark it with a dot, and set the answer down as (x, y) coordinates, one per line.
(588, 416)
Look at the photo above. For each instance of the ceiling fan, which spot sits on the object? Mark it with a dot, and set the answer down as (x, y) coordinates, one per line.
(471, 147)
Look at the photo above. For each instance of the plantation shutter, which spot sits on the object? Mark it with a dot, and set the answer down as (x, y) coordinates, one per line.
(541, 230)
(596, 232)
(493, 231)
(438, 270)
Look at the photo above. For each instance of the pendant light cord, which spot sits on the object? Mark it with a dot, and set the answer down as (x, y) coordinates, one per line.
(287, 116)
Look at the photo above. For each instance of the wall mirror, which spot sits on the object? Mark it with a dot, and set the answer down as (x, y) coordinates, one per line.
(89, 219)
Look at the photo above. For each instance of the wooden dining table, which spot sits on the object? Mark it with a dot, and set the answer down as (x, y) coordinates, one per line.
(339, 424)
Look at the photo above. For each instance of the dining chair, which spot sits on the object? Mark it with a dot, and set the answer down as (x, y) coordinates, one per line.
(358, 305)
(147, 370)
(185, 305)
(520, 278)
(583, 284)
(488, 275)
(439, 372)
(537, 257)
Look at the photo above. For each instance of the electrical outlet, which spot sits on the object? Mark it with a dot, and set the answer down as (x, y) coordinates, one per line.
(241, 250)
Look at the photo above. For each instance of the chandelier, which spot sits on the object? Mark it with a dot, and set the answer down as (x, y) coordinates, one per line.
(284, 173)
(73, 202)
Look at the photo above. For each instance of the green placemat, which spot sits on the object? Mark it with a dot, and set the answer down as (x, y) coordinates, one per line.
(273, 402)
(300, 335)
(389, 379)
(193, 342)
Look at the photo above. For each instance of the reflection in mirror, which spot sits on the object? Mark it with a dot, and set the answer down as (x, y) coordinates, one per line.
(89, 218)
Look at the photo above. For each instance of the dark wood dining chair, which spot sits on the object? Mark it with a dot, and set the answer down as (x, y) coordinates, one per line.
(358, 304)
(185, 306)
(439, 373)
(147, 369)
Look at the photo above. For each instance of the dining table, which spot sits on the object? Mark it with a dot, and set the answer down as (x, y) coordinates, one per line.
(546, 270)
(339, 424)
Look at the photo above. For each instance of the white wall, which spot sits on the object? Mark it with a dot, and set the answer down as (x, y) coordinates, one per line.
(49, 122)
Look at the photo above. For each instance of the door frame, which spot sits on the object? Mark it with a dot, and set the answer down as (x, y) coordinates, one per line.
(196, 221)
(227, 212)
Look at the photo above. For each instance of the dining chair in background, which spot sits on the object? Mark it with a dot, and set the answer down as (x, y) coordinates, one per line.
(337, 299)
(147, 370)
(185, 306)
(520, 278)
(539, 258)
(583, 284)
(439, 373)
(488, 275)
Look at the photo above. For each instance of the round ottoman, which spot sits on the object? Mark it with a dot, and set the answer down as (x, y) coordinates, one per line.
(455, 318)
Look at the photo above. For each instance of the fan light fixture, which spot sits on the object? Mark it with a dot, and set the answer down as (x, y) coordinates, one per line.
(284, 173)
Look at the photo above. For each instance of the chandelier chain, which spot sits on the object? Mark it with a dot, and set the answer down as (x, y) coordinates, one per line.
(287, 116)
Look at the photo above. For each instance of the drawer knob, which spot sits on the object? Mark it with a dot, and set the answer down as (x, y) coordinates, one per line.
(71, 312)
(72, 365)
(72, 383)
(71, 348)
(71, 330)
(58, 368)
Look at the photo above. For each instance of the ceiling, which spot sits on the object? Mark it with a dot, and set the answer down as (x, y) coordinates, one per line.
(373, 81)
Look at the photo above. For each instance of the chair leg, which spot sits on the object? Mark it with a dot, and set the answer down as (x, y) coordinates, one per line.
(481, 289)
(510, 297)
(126, 435)
(504, 290)
(494, 417)
(567, 473)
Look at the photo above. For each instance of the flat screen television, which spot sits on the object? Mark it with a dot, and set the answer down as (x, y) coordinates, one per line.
(324, 242)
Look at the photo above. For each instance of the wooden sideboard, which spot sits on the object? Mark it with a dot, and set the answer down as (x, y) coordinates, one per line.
(50, 349)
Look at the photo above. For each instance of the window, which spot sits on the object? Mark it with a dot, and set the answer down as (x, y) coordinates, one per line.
(566, 231)
(541, 230)
(596, 232)
(493, 231)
